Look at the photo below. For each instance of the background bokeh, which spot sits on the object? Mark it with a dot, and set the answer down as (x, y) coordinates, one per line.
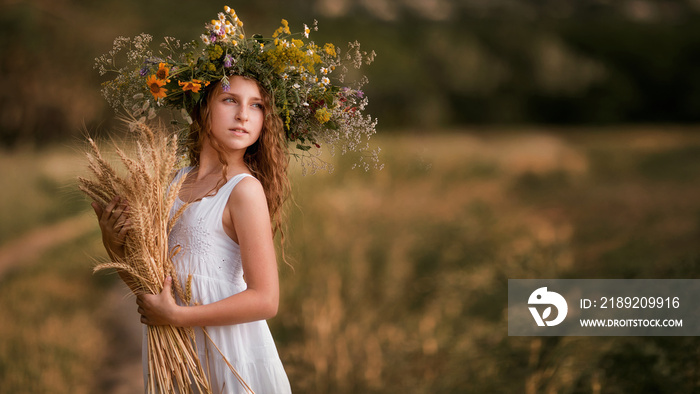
(521, 139)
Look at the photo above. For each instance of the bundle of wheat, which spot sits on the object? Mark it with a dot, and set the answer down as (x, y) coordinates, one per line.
(173, 364)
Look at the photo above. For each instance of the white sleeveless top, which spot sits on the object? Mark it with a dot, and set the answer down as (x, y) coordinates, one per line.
(214, 261)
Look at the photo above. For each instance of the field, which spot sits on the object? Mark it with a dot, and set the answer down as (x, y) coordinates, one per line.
(399, 278)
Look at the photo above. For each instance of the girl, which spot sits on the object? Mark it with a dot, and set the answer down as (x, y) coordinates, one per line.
(237, 183)
(247, 97)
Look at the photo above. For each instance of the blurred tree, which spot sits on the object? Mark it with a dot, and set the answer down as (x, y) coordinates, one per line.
(440, 63)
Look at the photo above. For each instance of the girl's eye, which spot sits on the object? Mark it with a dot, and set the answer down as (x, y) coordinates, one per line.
(258, 106)
(229, 100)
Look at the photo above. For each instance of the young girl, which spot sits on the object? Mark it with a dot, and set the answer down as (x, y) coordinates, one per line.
(246, 99)
(223, 233)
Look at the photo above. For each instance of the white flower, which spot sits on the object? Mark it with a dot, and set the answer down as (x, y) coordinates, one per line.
(306, 31)
(325, 80)
(285, 76)
(296, 86)
(324, 70)
(186, 116)
(222, 17)
(205, 39)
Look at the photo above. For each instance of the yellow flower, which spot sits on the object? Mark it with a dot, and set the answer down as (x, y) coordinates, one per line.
(330, 49)
(215, 52)
(155, 86)
(322, 115)
(193, 85)
(163, 71)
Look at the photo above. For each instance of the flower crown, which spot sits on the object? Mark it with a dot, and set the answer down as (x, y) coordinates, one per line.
(305, 80)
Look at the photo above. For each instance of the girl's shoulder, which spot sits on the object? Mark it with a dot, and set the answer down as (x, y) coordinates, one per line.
(247, 186)
(247, 195)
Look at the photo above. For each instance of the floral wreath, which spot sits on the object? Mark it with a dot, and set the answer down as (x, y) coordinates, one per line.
(305, 80)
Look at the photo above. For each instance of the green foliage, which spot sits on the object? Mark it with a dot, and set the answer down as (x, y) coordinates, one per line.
(520, 62)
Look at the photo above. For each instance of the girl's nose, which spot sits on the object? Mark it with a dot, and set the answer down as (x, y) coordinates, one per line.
(242, 113)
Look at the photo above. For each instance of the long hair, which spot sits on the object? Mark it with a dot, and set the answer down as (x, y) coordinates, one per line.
(267, 158)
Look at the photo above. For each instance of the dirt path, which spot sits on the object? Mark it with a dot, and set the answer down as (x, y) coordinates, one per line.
(122, 371)
(29, 247)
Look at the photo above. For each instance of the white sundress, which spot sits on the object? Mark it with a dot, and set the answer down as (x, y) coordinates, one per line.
(214, 260)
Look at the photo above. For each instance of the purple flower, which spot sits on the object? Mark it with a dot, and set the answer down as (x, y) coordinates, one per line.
(228, 61)
(225, 85)
(360, 94)
(143, 71)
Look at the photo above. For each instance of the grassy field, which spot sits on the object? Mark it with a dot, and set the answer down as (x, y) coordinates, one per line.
(400, 275)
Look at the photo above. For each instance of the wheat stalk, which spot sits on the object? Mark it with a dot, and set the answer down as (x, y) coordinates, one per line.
(172, 358)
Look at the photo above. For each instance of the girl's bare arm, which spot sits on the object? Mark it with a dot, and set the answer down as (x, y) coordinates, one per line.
(260, 300)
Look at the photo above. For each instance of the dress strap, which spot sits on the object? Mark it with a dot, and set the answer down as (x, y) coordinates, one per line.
(178, 175)
(219, 200)
(226, 189)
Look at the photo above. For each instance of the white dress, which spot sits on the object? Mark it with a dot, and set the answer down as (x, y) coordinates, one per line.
(214, 261)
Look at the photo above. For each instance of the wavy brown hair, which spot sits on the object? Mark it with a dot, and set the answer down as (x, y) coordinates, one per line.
(267, 159)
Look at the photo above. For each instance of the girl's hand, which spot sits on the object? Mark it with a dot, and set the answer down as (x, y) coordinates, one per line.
(161, 309)
(114, 224)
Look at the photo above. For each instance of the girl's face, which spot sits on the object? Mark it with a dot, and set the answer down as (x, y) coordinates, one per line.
(237, 115)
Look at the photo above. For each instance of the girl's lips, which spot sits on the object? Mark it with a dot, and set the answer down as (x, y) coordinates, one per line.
(238, 131)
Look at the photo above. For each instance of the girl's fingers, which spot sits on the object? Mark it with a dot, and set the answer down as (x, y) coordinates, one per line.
(110, 208)
(122, 233)
(97, 208)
